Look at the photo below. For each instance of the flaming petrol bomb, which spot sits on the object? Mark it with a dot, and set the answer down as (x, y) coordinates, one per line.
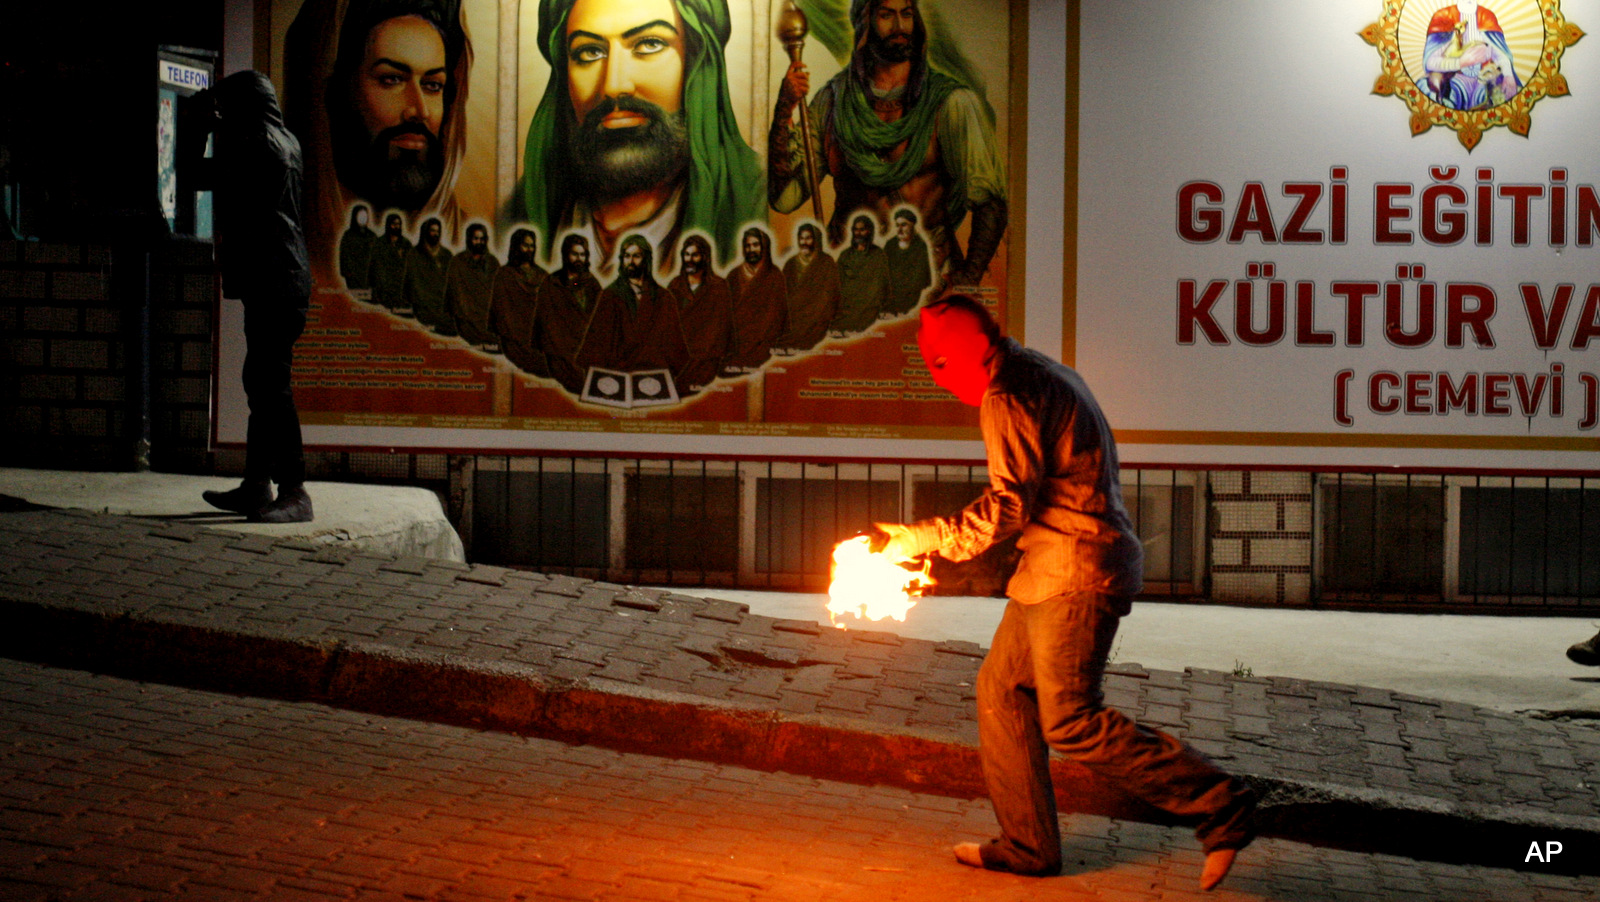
(873, 585)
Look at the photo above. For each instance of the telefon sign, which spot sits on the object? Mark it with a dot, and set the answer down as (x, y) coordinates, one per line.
(193, 77)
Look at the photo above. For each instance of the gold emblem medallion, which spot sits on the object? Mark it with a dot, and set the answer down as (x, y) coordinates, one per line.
(1471, 66)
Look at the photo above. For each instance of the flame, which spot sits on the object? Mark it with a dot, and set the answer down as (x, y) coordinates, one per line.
(871, 585)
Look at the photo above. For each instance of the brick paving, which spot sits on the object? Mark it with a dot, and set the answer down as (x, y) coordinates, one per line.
(118, 790)
(686, 677)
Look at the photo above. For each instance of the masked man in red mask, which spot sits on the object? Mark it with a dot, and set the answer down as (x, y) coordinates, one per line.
(1053, 478)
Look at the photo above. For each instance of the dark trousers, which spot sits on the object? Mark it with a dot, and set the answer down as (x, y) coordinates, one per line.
(1039, 689)
(272, 439)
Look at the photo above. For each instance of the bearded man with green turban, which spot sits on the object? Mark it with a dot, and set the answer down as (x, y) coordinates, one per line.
(892, 129)
(636, 130)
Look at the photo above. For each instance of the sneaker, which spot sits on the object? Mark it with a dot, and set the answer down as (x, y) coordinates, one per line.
(246, 499)
(292, 506)
(1586, 653)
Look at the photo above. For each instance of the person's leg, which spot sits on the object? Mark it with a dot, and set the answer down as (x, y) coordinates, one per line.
(289, 462)
(1071, 640)
(274, 446)
(259, 349)
(1015, 759)
(255, 492)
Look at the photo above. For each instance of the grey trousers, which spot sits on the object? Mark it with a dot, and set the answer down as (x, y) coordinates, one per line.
(1039, 689)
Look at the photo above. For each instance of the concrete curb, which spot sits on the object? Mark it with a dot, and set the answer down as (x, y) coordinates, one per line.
(1420, 827)
(378, 519)
(448, 688)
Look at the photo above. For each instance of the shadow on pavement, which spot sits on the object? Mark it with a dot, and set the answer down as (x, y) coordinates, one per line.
(12, 505)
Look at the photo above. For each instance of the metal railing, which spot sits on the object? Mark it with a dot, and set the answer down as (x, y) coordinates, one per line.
(1474, 542)
(759, 524)
(1393, 541)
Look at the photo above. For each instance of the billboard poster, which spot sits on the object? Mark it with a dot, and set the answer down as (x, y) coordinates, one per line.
(1352, 234)
(698, 226)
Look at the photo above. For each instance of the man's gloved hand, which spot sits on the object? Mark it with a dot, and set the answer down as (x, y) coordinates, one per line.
(893, 539)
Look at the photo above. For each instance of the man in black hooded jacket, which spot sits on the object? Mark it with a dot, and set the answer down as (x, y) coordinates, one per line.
(256, 173)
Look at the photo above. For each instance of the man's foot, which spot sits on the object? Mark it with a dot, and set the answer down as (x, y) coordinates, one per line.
(1587, 652)
(972, 855)
(1218, 863)
(292, 506)
(246, 499)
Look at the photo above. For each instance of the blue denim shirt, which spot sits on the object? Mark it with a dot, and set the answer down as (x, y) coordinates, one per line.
(1052, 477)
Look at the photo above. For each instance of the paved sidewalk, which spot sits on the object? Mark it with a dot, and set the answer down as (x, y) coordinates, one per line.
(112, 789)
(700, 678)
(1502, 662)
(1513, 664)
(383, 519)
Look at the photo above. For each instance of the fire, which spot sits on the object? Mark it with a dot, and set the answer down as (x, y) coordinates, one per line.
(872, 586)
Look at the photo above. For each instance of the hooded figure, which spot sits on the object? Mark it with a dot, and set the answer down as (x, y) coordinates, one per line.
(355, 249)
(261, 251)
(257, 178)
(722, 187)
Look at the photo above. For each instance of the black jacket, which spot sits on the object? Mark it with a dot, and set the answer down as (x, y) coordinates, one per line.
(257, 174)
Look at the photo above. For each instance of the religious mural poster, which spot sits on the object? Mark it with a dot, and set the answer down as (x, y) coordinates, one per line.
(1321, 255)
(643, 225)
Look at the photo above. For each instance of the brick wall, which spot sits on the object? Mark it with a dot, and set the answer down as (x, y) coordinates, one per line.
(183, 300)
(64, 390)
(69, 357)
(1260, 537)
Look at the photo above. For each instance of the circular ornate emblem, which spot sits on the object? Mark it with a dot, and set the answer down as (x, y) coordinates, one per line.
(1471, 65)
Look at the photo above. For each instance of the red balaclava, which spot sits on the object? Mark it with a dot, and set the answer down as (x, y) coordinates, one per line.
(957, 350)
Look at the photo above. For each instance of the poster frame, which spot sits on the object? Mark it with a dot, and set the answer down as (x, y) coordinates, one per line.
(962, 447)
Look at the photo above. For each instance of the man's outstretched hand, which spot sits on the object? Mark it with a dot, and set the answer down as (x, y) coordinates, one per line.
(893, 539)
